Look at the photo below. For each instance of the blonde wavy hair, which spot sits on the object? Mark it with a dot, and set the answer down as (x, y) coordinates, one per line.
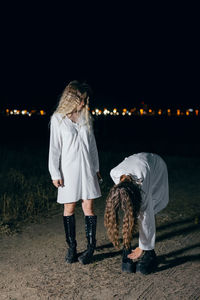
(127, 196)
(72, 96)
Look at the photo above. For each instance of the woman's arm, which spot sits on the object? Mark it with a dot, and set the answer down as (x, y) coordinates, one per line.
(55, 149)
(94, 152)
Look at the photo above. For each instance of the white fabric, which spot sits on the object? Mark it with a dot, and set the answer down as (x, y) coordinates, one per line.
(73, 157)
(151, 171)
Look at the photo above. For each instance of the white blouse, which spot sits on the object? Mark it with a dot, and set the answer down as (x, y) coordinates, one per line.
(151, 172)
(73, 157)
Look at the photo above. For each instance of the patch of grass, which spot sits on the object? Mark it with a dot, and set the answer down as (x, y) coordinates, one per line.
(26, 188)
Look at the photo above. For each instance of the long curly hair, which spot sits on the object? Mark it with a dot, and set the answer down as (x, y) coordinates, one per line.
(73, 94)
(126, 196)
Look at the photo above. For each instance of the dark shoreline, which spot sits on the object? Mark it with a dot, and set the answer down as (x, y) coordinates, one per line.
(161, 134)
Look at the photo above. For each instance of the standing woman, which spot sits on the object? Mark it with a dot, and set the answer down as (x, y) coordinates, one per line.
(74, 165)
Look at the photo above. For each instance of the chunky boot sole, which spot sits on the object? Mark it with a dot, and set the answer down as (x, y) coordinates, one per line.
(127, 264)
(147, 263)
(128, 267)
(85, 259)
(71, 256)
(146, 269)
(71, 261)
(85, 262)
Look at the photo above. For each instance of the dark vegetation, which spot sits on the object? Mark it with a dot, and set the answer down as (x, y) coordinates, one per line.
(26, 189)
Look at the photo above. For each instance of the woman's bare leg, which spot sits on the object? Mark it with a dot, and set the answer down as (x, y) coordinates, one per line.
(87, 206)
(69, 209)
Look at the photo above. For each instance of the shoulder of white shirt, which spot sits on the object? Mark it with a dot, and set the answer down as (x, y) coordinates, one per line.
(57, 116)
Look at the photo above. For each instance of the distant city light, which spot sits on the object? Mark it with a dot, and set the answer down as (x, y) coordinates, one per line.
(143, 111)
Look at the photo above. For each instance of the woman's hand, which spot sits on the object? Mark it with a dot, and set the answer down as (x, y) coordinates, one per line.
(137, 253)
(57, 183)
(99, 177)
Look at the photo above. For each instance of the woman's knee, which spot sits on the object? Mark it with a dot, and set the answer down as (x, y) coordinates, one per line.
(87, 206)
(69, 209)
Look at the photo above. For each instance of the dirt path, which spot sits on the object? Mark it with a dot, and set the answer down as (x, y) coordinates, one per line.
(32, 262)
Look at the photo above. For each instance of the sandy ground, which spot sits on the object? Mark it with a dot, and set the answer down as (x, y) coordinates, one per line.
(33, 267)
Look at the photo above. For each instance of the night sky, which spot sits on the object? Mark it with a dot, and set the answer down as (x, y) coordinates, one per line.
(127, 54)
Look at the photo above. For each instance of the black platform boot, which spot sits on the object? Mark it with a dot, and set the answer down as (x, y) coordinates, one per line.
(70, 232)
(147, 263)
(90, 229)
(127, 263)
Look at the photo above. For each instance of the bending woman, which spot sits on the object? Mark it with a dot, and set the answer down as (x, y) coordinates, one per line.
(74, 165)
(141, 191)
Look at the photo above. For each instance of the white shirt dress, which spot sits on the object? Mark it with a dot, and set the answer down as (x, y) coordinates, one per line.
(73, 157)
(151, 172)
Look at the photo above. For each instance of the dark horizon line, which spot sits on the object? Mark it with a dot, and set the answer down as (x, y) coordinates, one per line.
(51, 106)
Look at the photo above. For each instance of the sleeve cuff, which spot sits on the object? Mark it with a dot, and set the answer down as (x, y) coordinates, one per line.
(145, 248)
(57, 177)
